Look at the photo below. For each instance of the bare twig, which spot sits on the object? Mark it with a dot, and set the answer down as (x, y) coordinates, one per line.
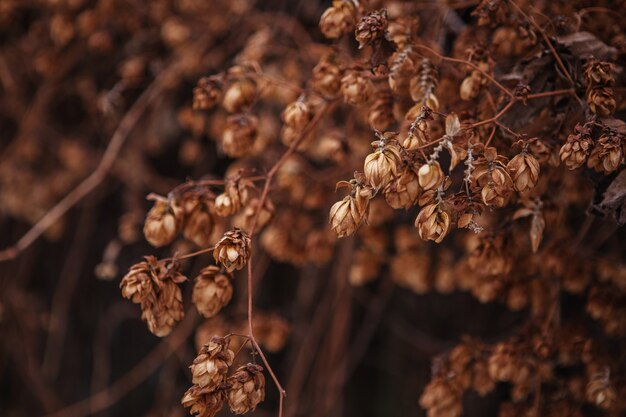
(108, 158)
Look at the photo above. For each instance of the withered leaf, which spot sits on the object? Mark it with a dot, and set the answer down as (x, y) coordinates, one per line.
(585, 45)
(537, 226)
(613, 200)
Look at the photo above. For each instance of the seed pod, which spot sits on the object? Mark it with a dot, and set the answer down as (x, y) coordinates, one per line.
(524, 169)
(607, 154)
(202, 402)
(198, 222)
(403, 191)
(246, 389)
(207, 93)
(239, 135)
(578, 146)
(212, 291)
(210, 367)
(371, 28)
(297, 115)
(430, 176)
(137, 283)
(601, 101)
(356, 88)
(432, 223)
(163, 313)
(381, 166)
(162, 224)
(240, 94)
(338, 19)
(442, 398)
(233, 250)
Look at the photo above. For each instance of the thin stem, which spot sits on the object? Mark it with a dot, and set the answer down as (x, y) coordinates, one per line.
(473, 66)
(547, 41)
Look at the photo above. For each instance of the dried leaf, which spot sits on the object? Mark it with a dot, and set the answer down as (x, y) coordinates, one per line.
(537, 225)
(453, 125)
(585, 45)
(613, 200)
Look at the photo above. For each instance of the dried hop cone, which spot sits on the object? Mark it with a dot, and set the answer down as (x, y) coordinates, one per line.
(600, 391)
(239, 135)
(575, 151)
(403, 191)
(246, 388)
(233, 250)
(233, 198)
(241, 93)
(356, 88)
(338, 19)
(430, 176)
(599, 72)
(371, 28)
(524, 169)
(607, 154)
(297, 115)
(347, 215)
(432, 223)
(162, 224)
(199, 222)
(212, 291)
(210, 367)
(152, 285)
(381, 166)
(601, 100)
(203, 402)
(207, 93)
(326, 78)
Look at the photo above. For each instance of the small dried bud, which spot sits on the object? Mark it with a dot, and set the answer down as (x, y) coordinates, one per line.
(381, 166)
(578, 146)
(607, 154)
(326, 79)
(601, 100)
(210, 367)
(246, 389)
(600, 391)
(233, 250)
(239, 135)
(598, 72)
(212, 291)
(297, 115)
(137, 283)
(356, 88)
(162, 224)
(401, 30)
(430, 176)
(202, 402)
(240, 95)
(524, 169)
(198, 223)
(371, 28)
(207, 93)
(403, 191)
(338, 19)
(432, 223)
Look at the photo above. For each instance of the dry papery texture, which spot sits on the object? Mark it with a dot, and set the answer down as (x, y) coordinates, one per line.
(301, 208)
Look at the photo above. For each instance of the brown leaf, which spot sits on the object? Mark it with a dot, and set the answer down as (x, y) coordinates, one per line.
(585, 45)
(537, 225)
